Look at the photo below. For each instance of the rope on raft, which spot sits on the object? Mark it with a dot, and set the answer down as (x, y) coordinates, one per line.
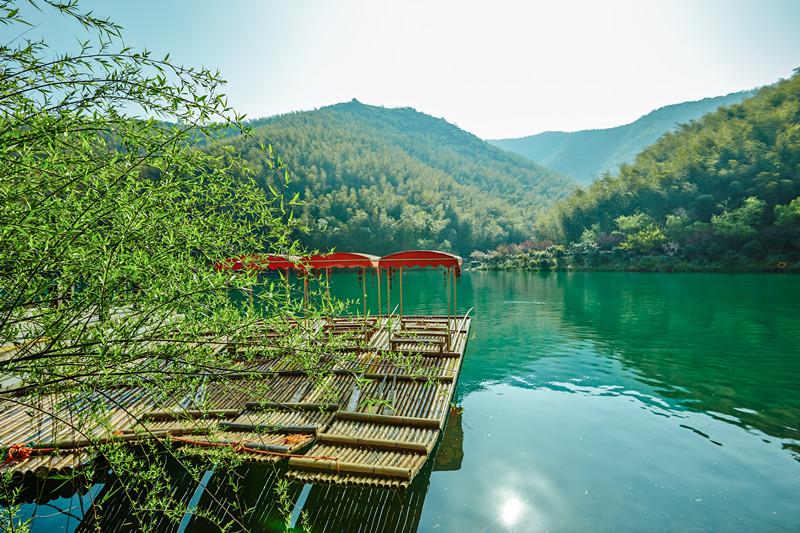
(21, 452)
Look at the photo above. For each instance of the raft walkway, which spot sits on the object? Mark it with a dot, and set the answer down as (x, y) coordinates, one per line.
(330, 432)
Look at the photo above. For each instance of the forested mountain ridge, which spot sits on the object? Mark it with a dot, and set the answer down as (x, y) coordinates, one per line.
(586, 154)
(727, 185)
(376, 180)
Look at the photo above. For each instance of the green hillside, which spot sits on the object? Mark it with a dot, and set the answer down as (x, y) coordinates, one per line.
(378, 180)
(726, 184)
(585, 155)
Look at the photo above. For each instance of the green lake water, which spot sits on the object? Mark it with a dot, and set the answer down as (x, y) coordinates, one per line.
(626, 402)
(601, 402)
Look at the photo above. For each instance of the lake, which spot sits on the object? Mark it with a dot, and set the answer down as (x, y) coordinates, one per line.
(627, 402)
(599, 401)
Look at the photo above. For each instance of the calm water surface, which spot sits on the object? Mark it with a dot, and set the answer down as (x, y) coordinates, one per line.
(600, 402)
(627, 402)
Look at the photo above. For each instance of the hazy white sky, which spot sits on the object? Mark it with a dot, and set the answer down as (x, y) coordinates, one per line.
(495, 68)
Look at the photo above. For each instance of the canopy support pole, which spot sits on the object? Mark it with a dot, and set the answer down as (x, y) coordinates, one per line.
(449, 303)
(447, 287)
(328, 286)
(380, 300)
(401, 293)
(305, 294)
(455, 302)
(389, 291)
(364, 290)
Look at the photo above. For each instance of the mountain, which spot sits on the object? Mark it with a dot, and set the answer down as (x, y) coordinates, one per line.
(728, 183)
(375, 180)
(586, 154)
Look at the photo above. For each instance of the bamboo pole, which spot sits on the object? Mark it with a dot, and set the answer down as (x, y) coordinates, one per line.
(380, 301)
(331, 438)
(388, 419)
(364, 290)
(449, 326)
(125, 437)
(305, 294)
(409, 377)
(329, 465)
(189, 413)
(328, 285)
(278, 448)
(266, 428)
(455, 294)
(294, 406)
(401, 293)
(448, 285)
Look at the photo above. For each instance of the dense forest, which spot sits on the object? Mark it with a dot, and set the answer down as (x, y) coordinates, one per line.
(719, 192)
(586, 155)
(378, 180)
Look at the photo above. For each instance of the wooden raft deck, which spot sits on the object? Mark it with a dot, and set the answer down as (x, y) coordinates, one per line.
(336, 434)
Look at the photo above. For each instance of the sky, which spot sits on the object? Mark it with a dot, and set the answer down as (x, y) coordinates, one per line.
(495, 68)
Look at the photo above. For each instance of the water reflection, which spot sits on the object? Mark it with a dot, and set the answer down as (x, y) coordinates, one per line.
(720, 344)
(511, 511)
(451, 446)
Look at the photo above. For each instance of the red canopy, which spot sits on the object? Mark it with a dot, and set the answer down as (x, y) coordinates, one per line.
(256, 261)
(420, 258)
(340, 260)
(407, 259)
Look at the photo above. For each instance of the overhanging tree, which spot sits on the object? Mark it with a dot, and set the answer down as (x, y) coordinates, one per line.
(110, 220)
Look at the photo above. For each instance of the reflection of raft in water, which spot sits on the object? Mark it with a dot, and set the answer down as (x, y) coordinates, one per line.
(451, 449)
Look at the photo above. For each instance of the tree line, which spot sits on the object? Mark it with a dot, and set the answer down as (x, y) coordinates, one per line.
(377, 180)
(722, 188)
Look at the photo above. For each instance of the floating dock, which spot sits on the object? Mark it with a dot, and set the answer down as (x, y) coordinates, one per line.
(374, 420)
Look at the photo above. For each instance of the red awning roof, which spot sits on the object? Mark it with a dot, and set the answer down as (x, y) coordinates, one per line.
(420, 258)
(340, 260)
(257, 262)
(407, 259)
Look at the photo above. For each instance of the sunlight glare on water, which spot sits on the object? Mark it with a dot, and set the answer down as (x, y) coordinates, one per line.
(511, 510)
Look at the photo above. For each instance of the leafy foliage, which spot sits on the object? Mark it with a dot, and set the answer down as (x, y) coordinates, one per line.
(728, 180)
(378, 180)
(110, 220)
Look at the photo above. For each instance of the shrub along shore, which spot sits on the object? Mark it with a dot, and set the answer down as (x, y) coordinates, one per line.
(577, 258)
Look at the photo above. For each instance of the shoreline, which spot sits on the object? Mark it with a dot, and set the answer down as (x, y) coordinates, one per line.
(654, 264)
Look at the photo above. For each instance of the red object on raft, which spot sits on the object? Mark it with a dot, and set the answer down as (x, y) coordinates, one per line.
(421, 258)
(407, 259)
(340, 260)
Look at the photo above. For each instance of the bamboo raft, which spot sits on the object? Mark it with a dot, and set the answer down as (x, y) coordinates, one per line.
(381, 436)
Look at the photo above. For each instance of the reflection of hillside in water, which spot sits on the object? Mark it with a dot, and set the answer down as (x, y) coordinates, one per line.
(517, 323)
(722, 344)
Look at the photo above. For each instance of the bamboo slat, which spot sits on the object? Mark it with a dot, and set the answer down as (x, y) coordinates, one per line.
(388, 419)
(333, 438)
(347, 467)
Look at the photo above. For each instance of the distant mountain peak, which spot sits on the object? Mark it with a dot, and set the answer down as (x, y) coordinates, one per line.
(587, 154)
